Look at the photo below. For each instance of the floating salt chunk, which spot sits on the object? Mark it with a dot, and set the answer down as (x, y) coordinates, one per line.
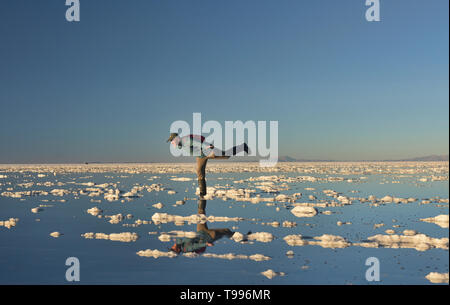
(112, 195)
(270, 274)
(122, 237)
(181, 179)
(164, 237)
(387, 199)
(390, 231)
(156, 253)
(440, 220)
(36, 210)
(330, 241)
(232, 256)
(59, 192)
(258, 257)
(261, 237)
(171, 192)
(199, 218)
(378, 225)
(289, 224)
(372, 198)
(327, 212)
(300, 211)
(437, 278)
(237, 237)
(3, 176)
(12, 222)
(409, 232)
(325, 241)
(55, 234)
(158, 205)
(290, 253)
(95, 211)
(179, 202)
(312, 197)
(420, 242)
(282, 197)
(274, 224)
(115, 219)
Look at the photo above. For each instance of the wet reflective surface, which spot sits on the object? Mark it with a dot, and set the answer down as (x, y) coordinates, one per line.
(241, 229)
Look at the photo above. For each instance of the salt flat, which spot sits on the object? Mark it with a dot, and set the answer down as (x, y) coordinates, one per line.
(309, 223)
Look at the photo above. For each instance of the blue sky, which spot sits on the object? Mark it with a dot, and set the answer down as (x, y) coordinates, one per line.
(108, 87)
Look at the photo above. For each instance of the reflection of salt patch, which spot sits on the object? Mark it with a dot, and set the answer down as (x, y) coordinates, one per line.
(94, 211)
(123, 237)
(156, 253)
(440, 220)
(270, 274)
(325, 241)
(437, 278)
(300, 211)
(12, 222)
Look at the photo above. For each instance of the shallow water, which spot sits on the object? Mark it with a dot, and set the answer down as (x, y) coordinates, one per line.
(29, 255)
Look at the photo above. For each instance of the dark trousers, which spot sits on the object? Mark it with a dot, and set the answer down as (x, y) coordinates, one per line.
(201, 174)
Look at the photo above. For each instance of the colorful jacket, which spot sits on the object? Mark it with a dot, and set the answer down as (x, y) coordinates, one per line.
(194, 145)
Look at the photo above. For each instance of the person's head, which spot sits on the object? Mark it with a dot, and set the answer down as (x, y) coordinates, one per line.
(174, 139)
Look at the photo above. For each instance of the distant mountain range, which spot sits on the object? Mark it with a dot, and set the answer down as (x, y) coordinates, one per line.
(428, 158)
(425, 158)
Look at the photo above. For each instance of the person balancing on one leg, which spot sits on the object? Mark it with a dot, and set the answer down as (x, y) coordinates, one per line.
(196, 145)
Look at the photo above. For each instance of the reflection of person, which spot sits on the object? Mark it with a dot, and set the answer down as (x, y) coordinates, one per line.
(205, 236)
(204, 151)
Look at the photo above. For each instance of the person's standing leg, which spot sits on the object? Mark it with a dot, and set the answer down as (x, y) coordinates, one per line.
(201, 174)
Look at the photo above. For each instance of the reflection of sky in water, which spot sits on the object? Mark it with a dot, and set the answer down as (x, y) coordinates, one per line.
(29, 255)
